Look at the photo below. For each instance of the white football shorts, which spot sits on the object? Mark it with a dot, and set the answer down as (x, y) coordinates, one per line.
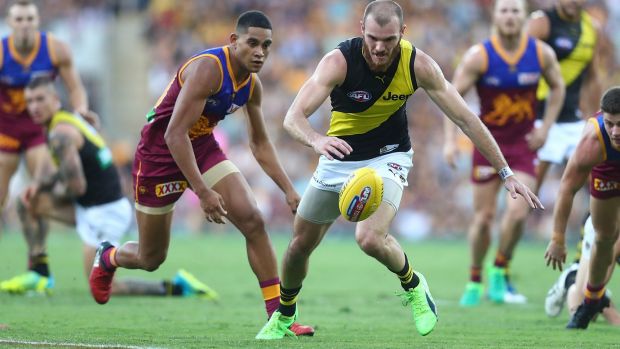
(561, 141)
(588, 239)
(107, 222)
(319, 203)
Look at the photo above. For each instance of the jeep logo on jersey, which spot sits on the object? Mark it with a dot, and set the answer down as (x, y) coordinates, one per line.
(359, 96)
(394, 97)
(170, 188)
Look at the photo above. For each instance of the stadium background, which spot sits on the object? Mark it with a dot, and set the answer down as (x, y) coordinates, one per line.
(127, 51)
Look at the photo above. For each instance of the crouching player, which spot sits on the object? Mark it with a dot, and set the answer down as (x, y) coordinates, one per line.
(84, 191)
(598, 156)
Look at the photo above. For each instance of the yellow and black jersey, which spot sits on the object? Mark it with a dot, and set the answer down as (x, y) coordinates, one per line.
(574, 44)
(102, 180)
(368, 108)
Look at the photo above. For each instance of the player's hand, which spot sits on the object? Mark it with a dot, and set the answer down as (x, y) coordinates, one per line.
(91, 117)
(450, 153)
(536, 138)
(332, 147)
(292, 200)
(29, 195)
(556, 254)
(212, 205)
(514, 186)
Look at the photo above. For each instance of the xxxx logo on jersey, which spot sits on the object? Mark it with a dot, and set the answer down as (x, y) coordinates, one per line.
(170, 188)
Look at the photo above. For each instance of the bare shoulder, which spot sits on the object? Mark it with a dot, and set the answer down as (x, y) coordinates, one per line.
(61, 51)
(427, 71)
(64, 134)
(539, 25)
(547, 52)
(589, 152)
(332, 68)
(475, 59)
(205, 72)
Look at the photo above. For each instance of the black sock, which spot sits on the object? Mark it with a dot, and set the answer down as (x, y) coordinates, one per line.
(570, 279)
(288, 300)
(39, 264)
(172, 289)
(408, 279)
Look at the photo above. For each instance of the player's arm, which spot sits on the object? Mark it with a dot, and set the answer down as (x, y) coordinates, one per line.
(552, 75)
(538, 25)
(64, 143)
(465, 76)
(592, 88)
(587, 154)
(70, 77)
(430, 77)
(330, 72)
(201, 79)
(263, 149)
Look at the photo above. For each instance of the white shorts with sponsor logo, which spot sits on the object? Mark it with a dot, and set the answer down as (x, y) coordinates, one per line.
(561, 141)
(107, 222)
(588, 239)
(331, 174)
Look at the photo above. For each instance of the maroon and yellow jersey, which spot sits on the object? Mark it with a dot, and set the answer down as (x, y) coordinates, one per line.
(605, 177)
(16, 71)
(507, 89)
(229, 97)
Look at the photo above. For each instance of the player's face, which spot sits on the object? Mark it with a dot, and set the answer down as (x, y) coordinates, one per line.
(381, 42)
(612, 126)
(24, 21)
(252, 48)
(42, 103)
(572, 8)
(509, 17)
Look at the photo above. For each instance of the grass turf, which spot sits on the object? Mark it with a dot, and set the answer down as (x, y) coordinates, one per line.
(347, 296)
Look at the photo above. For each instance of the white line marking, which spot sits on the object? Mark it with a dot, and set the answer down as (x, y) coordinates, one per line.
(74, 345)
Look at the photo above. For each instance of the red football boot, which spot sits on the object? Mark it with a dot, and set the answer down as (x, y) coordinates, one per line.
(301, 330)
(100, 279)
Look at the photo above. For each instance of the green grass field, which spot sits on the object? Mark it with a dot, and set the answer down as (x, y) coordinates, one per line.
(347, 296)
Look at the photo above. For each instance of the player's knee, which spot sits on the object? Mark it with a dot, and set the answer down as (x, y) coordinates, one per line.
(484, 218)
(606, 239)
(369, 242)
(252, 224)
(300, 247)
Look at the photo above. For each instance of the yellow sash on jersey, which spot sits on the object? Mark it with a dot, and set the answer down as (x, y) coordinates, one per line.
(573, 65)
(394, 96)
(85, 129)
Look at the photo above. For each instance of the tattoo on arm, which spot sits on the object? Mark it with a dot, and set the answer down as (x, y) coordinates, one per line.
(60, 145)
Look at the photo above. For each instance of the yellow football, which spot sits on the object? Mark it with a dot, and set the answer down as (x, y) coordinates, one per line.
(361, 194)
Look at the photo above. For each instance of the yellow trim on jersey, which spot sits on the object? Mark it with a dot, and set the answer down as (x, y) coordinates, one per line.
(510, 59)
(346, 124)
(219, 64)
(51, 51)
(25, 61)
(1, 55)
(485, 59)
(539, 54)
(599, 135)
(573, 65)
(85, 129)
(232, 73)
(252, 84)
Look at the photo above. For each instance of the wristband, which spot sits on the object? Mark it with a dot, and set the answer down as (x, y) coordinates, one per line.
(505, 173)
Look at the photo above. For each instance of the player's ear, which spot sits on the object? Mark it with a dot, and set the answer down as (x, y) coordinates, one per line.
(402, 30)
(233, 40)
(362, 26)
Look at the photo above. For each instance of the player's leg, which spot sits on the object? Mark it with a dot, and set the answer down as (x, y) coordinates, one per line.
(606, 222)
(511, 230)
(479, 236)
(541, 173)
(316, 212)
(9, 161)
(42, 207)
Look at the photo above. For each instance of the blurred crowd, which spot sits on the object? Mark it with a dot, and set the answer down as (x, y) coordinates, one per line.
(438, 200)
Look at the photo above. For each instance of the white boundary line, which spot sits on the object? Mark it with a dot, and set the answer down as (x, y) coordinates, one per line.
(67, 344)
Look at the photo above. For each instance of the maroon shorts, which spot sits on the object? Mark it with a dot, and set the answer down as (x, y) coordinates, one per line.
(19, 133)
(519, 157)
(159, 184)
(605, 185)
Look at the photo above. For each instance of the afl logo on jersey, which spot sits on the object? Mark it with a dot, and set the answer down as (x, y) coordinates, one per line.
(564, 43)
(359, 96)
